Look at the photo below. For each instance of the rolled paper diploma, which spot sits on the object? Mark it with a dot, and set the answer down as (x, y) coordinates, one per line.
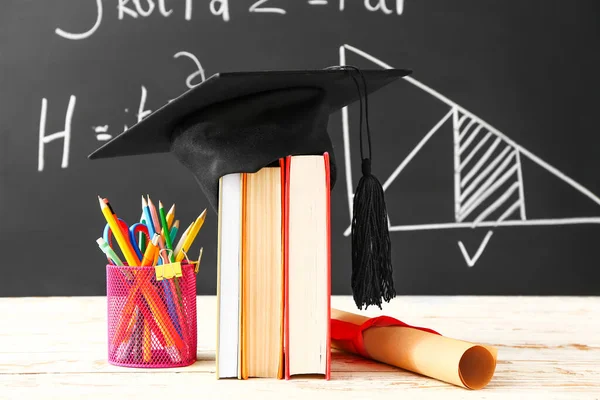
(416, 349)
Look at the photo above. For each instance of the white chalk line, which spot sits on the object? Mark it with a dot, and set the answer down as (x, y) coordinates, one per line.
(477, 148)
(484, 173)
(510, 210)
(64, 134)
(470, 139)
(83, 35)
(475, 169)
(472, 260)
(415, 150)
(460, 122)
(494, 206)
(483, 158)
(474, 202)
(521, 187)
(466, 130)
(493, 178)
(495, 174)
(193, 75)
(255, 8)
(100, 128)
(456, 157)
(495, 224)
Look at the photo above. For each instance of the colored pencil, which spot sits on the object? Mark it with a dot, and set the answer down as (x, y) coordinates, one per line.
(149, 253)
(182, 238)
(165, 230)
(169, 293)
(170, 216)
(123, 241)
(174, 230)
(171, 256)
(156, 223)
(191, 236)
(148, 217)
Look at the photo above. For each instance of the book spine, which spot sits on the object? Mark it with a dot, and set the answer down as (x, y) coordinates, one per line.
(328, 202)
(286, 246)
(219, 243)
(282, 174)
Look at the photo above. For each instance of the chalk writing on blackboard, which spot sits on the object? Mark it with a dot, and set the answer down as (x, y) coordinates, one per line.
(199, 70)
(101, 134)
(88, 33)
(220, 7)
(102, 131)
(65, 134)
(259, 7)
(488, 176)
(379, 5)
(133, 9)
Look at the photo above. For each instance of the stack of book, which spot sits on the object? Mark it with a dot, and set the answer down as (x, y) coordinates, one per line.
(274, 271)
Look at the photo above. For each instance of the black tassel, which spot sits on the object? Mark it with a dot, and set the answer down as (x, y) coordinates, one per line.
(372, 273)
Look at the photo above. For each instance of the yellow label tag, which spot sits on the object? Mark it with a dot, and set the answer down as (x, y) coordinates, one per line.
(168, 271)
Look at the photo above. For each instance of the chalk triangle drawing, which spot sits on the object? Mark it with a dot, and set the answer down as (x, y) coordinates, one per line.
(488, 172)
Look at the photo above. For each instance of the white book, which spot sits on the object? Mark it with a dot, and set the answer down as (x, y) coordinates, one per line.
(229, 269)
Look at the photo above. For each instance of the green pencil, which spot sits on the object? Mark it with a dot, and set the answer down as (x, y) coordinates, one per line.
(142, 237)
(174, 230)
(165, 229)
(169, 245)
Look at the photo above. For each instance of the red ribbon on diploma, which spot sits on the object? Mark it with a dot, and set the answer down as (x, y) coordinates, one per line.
(352, 335)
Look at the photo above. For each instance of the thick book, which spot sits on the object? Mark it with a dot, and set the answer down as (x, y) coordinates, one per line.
(262, 274)
(307, 265)
(229, 256)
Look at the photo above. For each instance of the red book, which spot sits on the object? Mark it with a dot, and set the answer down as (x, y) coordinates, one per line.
(307, 259)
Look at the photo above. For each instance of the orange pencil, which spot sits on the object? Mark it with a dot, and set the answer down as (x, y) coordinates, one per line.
(150, 251)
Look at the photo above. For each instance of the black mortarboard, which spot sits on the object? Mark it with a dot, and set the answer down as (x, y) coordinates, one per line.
(244, 121)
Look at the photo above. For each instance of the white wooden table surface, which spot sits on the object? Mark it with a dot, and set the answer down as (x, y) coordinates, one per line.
(548, 348)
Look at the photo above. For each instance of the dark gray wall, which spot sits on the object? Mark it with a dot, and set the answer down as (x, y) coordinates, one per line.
(528, 69)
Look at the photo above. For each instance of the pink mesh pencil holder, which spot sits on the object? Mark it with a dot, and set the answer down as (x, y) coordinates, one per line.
(151, 323)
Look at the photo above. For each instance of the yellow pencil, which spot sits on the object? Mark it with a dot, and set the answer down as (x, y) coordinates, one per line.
(191, 236)
(171, 217)
(123, 242)
(182, 239)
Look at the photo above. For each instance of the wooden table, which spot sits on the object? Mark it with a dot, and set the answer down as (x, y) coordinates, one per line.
(549, 347)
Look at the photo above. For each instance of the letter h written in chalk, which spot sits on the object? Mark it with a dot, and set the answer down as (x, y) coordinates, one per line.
(64, 134)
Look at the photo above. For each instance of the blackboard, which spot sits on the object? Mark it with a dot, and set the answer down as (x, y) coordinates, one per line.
(520, 77)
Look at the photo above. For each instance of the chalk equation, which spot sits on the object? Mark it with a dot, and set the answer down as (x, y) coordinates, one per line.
(133, 9)
(103, 131)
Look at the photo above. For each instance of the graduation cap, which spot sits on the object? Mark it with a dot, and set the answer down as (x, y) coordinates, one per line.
(243, 121)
